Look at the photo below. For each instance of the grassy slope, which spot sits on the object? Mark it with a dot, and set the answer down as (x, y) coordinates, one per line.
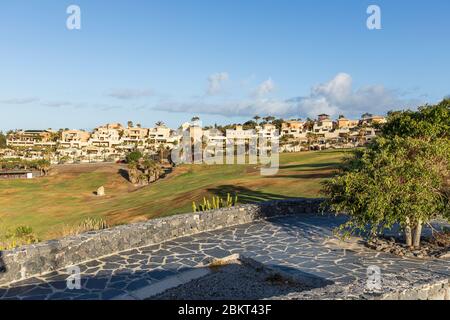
(50, 203)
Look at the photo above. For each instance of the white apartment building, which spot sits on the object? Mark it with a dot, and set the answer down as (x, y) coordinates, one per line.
(108, 136)
(74, 139)
(159, 135)
(324, 124)
(135, 136)
(294, 128)
(240, 134)
(31, 138)
(267, 131)
(215, 137)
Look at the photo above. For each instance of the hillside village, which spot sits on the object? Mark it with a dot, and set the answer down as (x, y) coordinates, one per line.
(112, 142)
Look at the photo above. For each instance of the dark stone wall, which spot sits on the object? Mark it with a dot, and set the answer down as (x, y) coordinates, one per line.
(27, 261)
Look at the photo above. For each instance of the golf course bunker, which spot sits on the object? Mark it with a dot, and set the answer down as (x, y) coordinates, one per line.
(236, 278)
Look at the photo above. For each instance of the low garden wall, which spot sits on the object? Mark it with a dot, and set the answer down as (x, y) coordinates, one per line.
(31, 260)
(439, 290)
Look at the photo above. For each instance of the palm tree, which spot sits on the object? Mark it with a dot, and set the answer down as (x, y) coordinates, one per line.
(43, 166)
(257, 118)
(269, 119)
(309, 124)
(158, 171)
(361, 136)
(346, 136)
(130, 124)
(161, 150)
(285, 139)
(152, 171)
(132, 172)
(160, 124)
(312, 138)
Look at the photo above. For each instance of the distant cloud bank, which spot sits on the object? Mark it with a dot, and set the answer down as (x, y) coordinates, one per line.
(337, 96)
(333, 97)
(19, 101)
(130, 94)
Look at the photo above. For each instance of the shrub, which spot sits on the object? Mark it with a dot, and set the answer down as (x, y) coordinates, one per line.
(215, 203)
(402, 177)
(22, 235)
(398, 180)
(88, 224)
(133, 157)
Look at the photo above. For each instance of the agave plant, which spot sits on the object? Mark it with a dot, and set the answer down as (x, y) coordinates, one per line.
(216, 202)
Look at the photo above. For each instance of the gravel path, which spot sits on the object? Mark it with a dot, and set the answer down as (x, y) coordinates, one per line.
(235, 281)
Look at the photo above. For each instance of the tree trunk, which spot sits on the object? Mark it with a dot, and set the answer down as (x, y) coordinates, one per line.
(408, 234)
(417, 234)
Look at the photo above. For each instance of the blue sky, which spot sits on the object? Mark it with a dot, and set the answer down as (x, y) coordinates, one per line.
(225, 60)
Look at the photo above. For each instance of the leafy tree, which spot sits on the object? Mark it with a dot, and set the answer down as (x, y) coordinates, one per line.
(269, 119)
(43, 166)
(428, 123)
(309, 124)
(345, 136)
(249, 125)
(366, 115)
(162, 152)
(133, 157)
(278, 123)
(144, 172)
(402, 177)
(2, 140)
(312, 139)
(394, 180)
(285, 139)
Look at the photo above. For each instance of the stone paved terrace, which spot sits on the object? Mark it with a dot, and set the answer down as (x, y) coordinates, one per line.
(302, 245)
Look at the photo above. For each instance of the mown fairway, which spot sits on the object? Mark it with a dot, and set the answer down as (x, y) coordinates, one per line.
(67, 197)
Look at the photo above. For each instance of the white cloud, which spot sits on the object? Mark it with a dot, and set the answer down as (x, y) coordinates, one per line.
(19, 100)
(57, 104)
(265, 88)
(215, 82)
(229, 108)
(334, 97)
(130, 94)
(338, 96)
(337, 91)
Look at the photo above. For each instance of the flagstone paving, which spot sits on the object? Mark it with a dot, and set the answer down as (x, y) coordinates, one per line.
(300, 245)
